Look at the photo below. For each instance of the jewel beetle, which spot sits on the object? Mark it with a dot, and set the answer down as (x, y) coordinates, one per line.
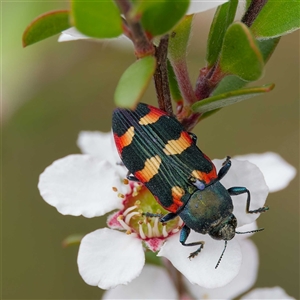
(159, 153)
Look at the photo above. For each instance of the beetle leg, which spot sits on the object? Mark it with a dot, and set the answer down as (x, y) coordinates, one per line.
(225, 167)
(238, 190)
(184, 233)
(168, 217)
(131, 177)
(193, 137)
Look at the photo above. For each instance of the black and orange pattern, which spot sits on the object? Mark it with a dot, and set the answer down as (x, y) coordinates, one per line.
(157, 150)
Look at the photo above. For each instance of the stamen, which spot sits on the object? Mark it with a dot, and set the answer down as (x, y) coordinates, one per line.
(123, 224)
(176, 230)
(129, 216)
(164, 231)
(179, 226)
(180, 222)
(129, 209)
(128, 232)
(150, 235)
(125, 181)
(114, 189)
(120, 195)
(155, 227)
(142, 234)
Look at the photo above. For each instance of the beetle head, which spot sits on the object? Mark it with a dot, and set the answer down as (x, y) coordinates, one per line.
(225, 230)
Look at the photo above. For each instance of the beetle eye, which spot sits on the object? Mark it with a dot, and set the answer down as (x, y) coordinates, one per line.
(199, 185)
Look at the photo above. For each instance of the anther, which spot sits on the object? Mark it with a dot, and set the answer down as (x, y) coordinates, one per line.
(120, 195)
(114, 189)
(125, 181)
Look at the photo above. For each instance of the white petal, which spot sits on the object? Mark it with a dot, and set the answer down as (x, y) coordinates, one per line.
(201, 269)
(241, 283)
(107, 258)
(245, 174)
(153, 283)
(102, 145)
(277, 172)
(72, 34)
(197, 6)
(80, 185)
(99, 144)
(267, 293)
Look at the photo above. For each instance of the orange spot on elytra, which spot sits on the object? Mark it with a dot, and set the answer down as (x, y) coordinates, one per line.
(151, 117)
(206, 177)
(125, 139)
(178, 146)
(150, 169)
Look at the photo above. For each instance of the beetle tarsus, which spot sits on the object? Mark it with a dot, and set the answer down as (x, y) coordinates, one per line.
(195, 253)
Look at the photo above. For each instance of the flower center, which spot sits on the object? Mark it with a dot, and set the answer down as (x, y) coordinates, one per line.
(141, 214)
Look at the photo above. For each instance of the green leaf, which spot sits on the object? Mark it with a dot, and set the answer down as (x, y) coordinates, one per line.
(229, 98)
(232, 82)
(97, 19)
(159, 17)
(240, 54)
(174, 88)
(178, 40)
(224, 16)
(134, 82)
(46, 25)
(277, 18)
(267, 47)
(229, 83)
(71, 240)
(208, 114)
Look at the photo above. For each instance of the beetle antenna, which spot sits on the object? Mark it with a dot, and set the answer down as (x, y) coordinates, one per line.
(252, 231)
(221, 255)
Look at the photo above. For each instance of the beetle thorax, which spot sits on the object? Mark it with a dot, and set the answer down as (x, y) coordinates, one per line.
(208, 209)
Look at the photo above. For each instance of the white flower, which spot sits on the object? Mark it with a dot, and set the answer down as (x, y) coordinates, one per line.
(196, 6)
(154, 278)
(153, 283)
(268, 293)
(83, 185)
(277, 172)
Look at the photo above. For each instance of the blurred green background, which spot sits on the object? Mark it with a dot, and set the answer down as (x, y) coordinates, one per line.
(51, 91)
